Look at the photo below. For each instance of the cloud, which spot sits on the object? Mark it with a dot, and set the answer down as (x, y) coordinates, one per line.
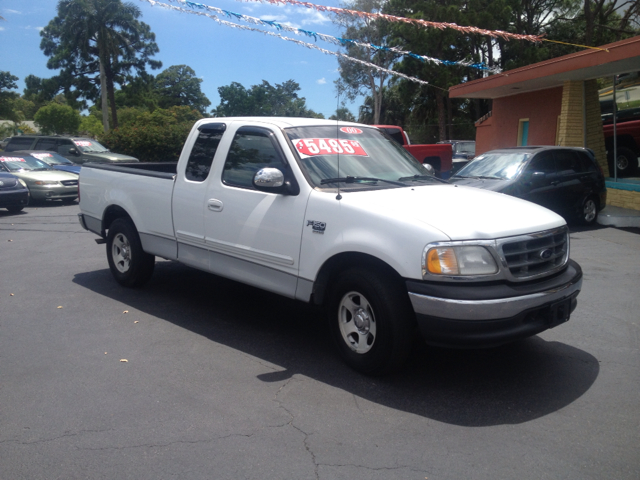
(7, 10)
(314, 17)
(321, 81)
(1, 29)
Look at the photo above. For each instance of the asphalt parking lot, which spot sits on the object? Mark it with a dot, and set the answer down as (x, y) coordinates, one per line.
(197, 377)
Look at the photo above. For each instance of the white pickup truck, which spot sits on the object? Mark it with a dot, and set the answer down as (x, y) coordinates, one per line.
(339, 215)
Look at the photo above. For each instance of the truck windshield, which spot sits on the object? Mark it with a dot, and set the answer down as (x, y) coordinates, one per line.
(369, 158)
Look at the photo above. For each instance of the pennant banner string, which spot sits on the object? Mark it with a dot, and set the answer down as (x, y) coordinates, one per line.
(343, 42)
(413, 21)
(298, 42)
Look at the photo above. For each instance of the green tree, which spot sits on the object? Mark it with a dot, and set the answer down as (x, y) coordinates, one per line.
(356, 79)
(90, 126)
(178, 85)
(96, 44)
(263, 100)
(343, 113)
(7, 83)
(57, 118)
(153, 137)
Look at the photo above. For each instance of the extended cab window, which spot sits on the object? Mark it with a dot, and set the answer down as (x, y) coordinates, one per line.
(203, 151)
(252, 149)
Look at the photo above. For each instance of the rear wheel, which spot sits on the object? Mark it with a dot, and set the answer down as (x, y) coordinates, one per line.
(371, 320)
(129, 264)
(627, 162)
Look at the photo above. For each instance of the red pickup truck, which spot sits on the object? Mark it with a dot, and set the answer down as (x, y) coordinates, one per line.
(628, 146)
(439, 156)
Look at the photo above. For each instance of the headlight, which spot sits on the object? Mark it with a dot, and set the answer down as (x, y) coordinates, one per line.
(458, 260)
(23, 183)
(46, 182)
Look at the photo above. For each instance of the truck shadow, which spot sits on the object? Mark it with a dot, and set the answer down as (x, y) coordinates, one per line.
(506, 385)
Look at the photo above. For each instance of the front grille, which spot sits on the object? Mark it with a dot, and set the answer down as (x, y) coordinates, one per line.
(69, 183)
(8, 182)
(536, 255)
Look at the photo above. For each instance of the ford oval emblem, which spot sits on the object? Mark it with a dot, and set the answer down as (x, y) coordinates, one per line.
(546, 254)
(1, 183)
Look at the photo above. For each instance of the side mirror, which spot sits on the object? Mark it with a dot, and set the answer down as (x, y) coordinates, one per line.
(429, 168)
(268, 179)
(534, 178)
(74, 151)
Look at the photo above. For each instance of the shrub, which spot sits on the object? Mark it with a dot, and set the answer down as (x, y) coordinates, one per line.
(153, 137)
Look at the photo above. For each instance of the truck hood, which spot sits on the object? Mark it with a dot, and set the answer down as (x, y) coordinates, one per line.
(461, 213)
(33, 176)
(109, 157)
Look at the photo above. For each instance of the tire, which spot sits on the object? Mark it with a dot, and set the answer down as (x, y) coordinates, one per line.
(371, 320)
(129, 264)
(589, 211)
(15, 209)
(627, 162)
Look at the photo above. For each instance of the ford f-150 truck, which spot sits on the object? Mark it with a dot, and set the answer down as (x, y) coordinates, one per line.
(439, 155)
(338, 215)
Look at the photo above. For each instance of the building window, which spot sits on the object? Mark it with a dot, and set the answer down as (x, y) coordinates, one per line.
(523, 132)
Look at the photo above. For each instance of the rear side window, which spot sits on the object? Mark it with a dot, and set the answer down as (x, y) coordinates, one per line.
(50, 144)
(586, 164)
(567, 161)
(201, 158)
(19, 143)
(252, 149)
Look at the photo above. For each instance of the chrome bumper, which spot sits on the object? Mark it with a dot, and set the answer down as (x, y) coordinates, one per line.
(493, 309)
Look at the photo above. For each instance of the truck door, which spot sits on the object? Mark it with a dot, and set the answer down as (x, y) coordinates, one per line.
(254, 236)
(189, 193)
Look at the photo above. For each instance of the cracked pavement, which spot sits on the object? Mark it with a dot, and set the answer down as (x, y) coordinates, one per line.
(228, 382)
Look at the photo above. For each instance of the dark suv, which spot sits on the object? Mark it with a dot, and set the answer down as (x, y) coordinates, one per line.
(566, 180)
(77, 149)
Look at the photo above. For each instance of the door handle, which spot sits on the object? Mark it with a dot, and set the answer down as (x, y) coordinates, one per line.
(215, 205)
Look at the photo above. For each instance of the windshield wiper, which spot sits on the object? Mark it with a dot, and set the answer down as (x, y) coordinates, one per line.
(423, 177)
(481, 177)
(359, 179)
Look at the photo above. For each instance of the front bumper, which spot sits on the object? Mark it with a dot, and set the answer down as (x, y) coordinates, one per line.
(487, 315)
(14, 198)
(54, 193)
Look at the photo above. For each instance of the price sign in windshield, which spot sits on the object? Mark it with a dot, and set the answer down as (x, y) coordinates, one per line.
(329, 146)
(82, 143)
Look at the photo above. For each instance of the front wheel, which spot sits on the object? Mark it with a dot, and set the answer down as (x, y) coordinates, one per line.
(129, 264)
(589, 212)
(371, 320)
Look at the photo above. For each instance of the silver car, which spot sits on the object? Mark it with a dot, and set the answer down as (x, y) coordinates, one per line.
(44, 182)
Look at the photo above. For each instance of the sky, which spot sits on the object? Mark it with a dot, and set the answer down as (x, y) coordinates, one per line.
(218, 54)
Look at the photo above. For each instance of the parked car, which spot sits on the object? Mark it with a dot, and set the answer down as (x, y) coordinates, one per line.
(77, 149)
(44, 182)
(438, 156)
(564, 179)
(462, 153)
(14, 194)
(54, 160)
